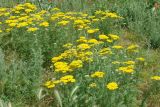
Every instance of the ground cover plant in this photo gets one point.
(61, 54)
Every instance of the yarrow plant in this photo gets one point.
(90, 67)
(95, 63)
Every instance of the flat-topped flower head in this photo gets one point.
(44, 24)
(83, 46)
(129, 62)
(103, 37)
(112, 86)
(91, 31)
(98, 74)
(76, 64)
(127, 69)
(32, 29)
(157, 78)
(62, 67)
(114, 37)
(67, 79)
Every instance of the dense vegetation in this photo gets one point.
(79, 53)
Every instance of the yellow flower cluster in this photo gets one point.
(28, 16)
(127, 69)
(108, 38)
(64, 80)
(129, 62)
(97, 74)
(103, 37)
(83, 46)
(62, 67)
(74, 57)
(76, 64)
(51, 84)
(105, 51)
(32, 29)
(91, 31)
(44, 24)
(117, 47)
(155, 77)
(112, 86)
(67, 79)
(132, 48)
(106, 14)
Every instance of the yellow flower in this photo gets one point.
(37, 17)
(30, 6)
(45, 24)
(127, 69)
(12, 24)
(91, 31)
(83, 46)
(93, 85)
(155, 78)
(109, 40)
(93, 41)
(19, 7)
(51, 84)
(97, 74)
(112, 86)
(103, 37)
(132, 47)
(23, 18)
(11, 21)
(67, 79)
(76, 64)
(69, 53)
(28, 10)
(105, 51)
(140, 59)
(7, 14)
(12, 17)
(114, 37)
(63, 22)
(0, 31)
(32, 29)
(55, 59)
(112, 15)
(85, 56)
(3, 9)
(22, 24)
(78, 22)
(129, 62)
(62, 67)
